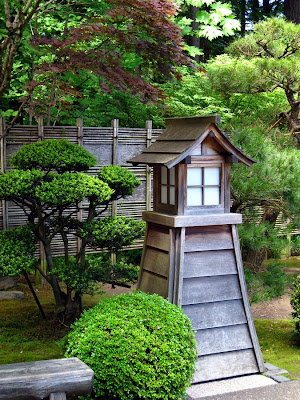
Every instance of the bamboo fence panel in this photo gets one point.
(109, 145)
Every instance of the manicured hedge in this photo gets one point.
(140, 346)
(295, 302)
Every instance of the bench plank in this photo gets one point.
(38, 379)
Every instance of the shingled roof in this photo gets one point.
(181, 137)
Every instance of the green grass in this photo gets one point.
(279, 344)
(292, 262)
(25, 336)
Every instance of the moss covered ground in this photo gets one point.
(279, 344)
(25, 336)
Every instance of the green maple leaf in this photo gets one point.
(230, 25)
(210, 32)
(222, 9)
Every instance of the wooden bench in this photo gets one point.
(53, 379)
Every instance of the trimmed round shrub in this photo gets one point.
(295, 303)
(139, 346)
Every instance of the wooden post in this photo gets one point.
(148, 169)
(3, 168)
(114, 161)
(40, 129)
(115, 126)
(79, 124)
(43, 264)
(251, 327)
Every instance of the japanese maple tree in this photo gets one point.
(128, 44)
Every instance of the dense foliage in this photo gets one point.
(56, 46)
(16, 251)
(58, 155)
(47, 183)
(265, 60)
(295, 303)
(270, 283)
(139, 346)
(63, 56)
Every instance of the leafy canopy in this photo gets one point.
(71, 188)
(121, 180)
(58, 155)
(112, 233)
(124, 43)
(266, 60)
(16, 251)
(214, 19)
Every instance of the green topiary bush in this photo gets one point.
(140, 346)
(295, 303)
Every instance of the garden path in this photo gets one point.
(273, 309)
(277, 308)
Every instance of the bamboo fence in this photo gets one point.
(110, 145)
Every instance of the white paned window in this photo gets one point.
(211, 196)
(194, 176)
(164, 194)
(203, 186)
(212, 176)
(194, 196)
(167, 186)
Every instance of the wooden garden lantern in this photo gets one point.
(191, 252)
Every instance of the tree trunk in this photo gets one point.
(194, 40)
(58, 295)
(291, 10)
(205, 46)
(293, 117)
(255, 10)
(243, 16)
(266, 8)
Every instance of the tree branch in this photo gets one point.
(43, 274)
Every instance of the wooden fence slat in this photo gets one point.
(79, 123)
(40, 129)
(148, 169)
